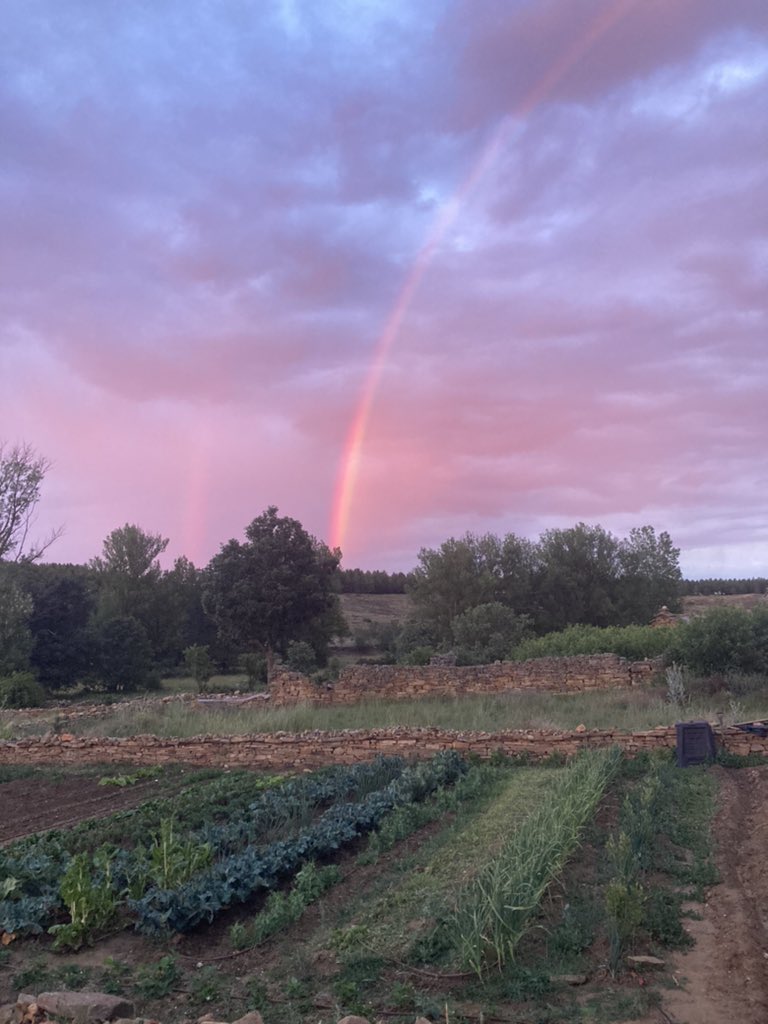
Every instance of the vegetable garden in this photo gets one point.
(388, 885)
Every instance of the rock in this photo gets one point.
(569, 979)
(24, 1000)
(580, 727)
(254, 1017)
(323, 1001)
(8, 1013)
(352, 1019)
(422, 1020)
(85, 1006)
(645, 961)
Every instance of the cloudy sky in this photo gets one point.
(403, 268)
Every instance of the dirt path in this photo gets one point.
(31, 805)
(724, 978)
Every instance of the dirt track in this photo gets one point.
(724, 978)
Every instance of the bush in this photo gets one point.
(197, 661)
(301, 657)
(487, 632)
(255, 667)
(631, 642)
(723, 640)
(21, 690)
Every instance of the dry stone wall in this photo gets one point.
(410, 682)
(307, 750)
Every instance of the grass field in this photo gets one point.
(625, 711)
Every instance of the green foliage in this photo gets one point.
(90, 899)
(723, 640)
(275, 587)
(125, 661)
(631, 642)
(578, 575)
(206, 985)
(300, 657)
(488, 632)
(21, 690)
(129, 780)
(492, 914)
(255, 667)
(284, 908)
(198, 663)
(156, 981)
(15, 635)
(173, 859)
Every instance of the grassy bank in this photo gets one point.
(624, 711)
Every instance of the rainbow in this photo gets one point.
(351, 457)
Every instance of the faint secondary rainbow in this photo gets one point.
(349, 464)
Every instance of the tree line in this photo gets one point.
(120, 619)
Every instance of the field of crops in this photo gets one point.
(385, 886)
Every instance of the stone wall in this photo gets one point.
(410, 682)
(298, 751)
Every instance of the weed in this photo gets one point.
(35, 976)
(114, 976)
(156, 981)
(205, 986)
(72, 977)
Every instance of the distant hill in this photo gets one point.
(697, 604)
(361, 610)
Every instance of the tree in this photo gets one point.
(277, 586)
(15, 635)
(63, 596)
(458, 575)
(129, 578)
(650, 575)
(21, 473)
(131, 553)
(126, 655)
(577, 577)
(487, 632)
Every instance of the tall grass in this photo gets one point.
(623, 711)
(493, 913)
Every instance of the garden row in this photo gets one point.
(221, 844)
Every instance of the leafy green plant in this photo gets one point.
(172, 860)
(129, 780)
(206, 985)
(156, 981)
(90, 899)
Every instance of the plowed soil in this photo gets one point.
(34, 805)
(724, 977)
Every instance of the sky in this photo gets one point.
(403, 269)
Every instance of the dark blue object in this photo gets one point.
(695, 743)
(757, 728)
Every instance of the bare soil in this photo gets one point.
(724, 977)
(30, 805)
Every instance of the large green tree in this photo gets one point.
(276, 586)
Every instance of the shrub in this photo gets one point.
(631, 642)
(255, 667)
(21, 690)
(301, 657)
(197, 662)
(723, 640)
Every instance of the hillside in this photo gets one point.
(360, 610)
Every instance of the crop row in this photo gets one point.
(239, 877)
(492, 914)
(32, 874)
